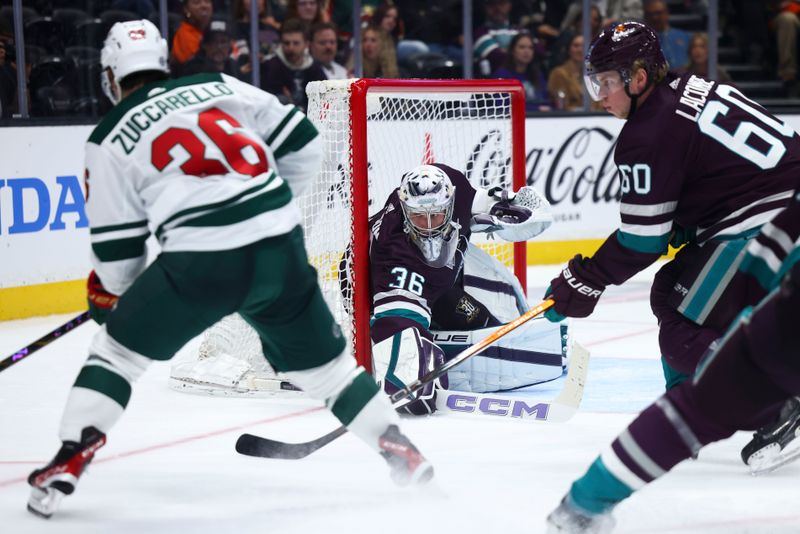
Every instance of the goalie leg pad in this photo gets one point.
(403, 358)
(530, 355)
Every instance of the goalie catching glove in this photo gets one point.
(403, 358)
(512, 216)
(101, 302)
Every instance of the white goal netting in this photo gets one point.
(468, 127)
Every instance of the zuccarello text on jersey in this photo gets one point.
(127, 134)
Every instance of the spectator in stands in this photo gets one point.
(437, 23)
(323, 50)
(268, 33)
(674, 42)
(618, 10)
(786, 24)
(492, 40)
(214, 54)
(565, 83)
(309, 11)
(8, 80)
(698, 59)
(379, 59)
(186, 42)
(288, 72)
(559, 50)
(387, 16)
(521, 65)
(555, 12)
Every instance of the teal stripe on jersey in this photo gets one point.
(279, 128)
(120, 249)
(141, 95)
(401, 312)
(215, 205)
(598, 491)
(252, 207)
(117, 227)
(354, 397)
(302, 134)
(704, 296)
(644, 244)
(106, 382)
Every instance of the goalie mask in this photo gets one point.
(427, 196)
(132, 46)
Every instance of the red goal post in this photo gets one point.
(481, 100)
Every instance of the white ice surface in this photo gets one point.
(169, 466)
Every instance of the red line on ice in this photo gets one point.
(9, 482)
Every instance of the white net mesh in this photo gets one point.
(467, 129)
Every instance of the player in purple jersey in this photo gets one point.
(738, 386)
(426, 277)
(702, 166)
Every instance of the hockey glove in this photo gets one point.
(574, 291)
(101, 302)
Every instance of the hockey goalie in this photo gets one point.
(434, 293)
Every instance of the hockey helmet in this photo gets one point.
(617, 48)
(427, 196)
(132, 46)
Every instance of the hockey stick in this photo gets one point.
(510, 406)
(44, 340)
(251, 445)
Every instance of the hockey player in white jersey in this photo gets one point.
(209, 165)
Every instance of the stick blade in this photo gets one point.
(250, 445)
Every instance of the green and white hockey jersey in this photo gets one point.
(204, 163)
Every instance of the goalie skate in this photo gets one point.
(58, 478)
(406, 462)
(775, 445)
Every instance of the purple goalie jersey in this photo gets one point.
(697, 161)
(403, 286)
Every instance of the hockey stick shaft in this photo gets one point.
(44, 340)
(263, 447)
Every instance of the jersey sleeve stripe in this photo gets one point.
(403, 309)
(647, 230)
(300, 136)
(118, 227)
(645, 245)
(647, 210)
(747, 218)
(780, 237)
(281, 125)
(399, 294)
(120, 249)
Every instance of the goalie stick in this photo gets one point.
(44, 340)
(251, 445)
(511, 406)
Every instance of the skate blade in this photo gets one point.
(775, 459)
(43, 502)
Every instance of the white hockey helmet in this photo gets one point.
(427, 196)
(132, 46)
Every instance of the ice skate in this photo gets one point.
(569, 519)
(407, 464)
(58, 478)
(774, 445)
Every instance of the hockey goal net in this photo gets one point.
(373, 130)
